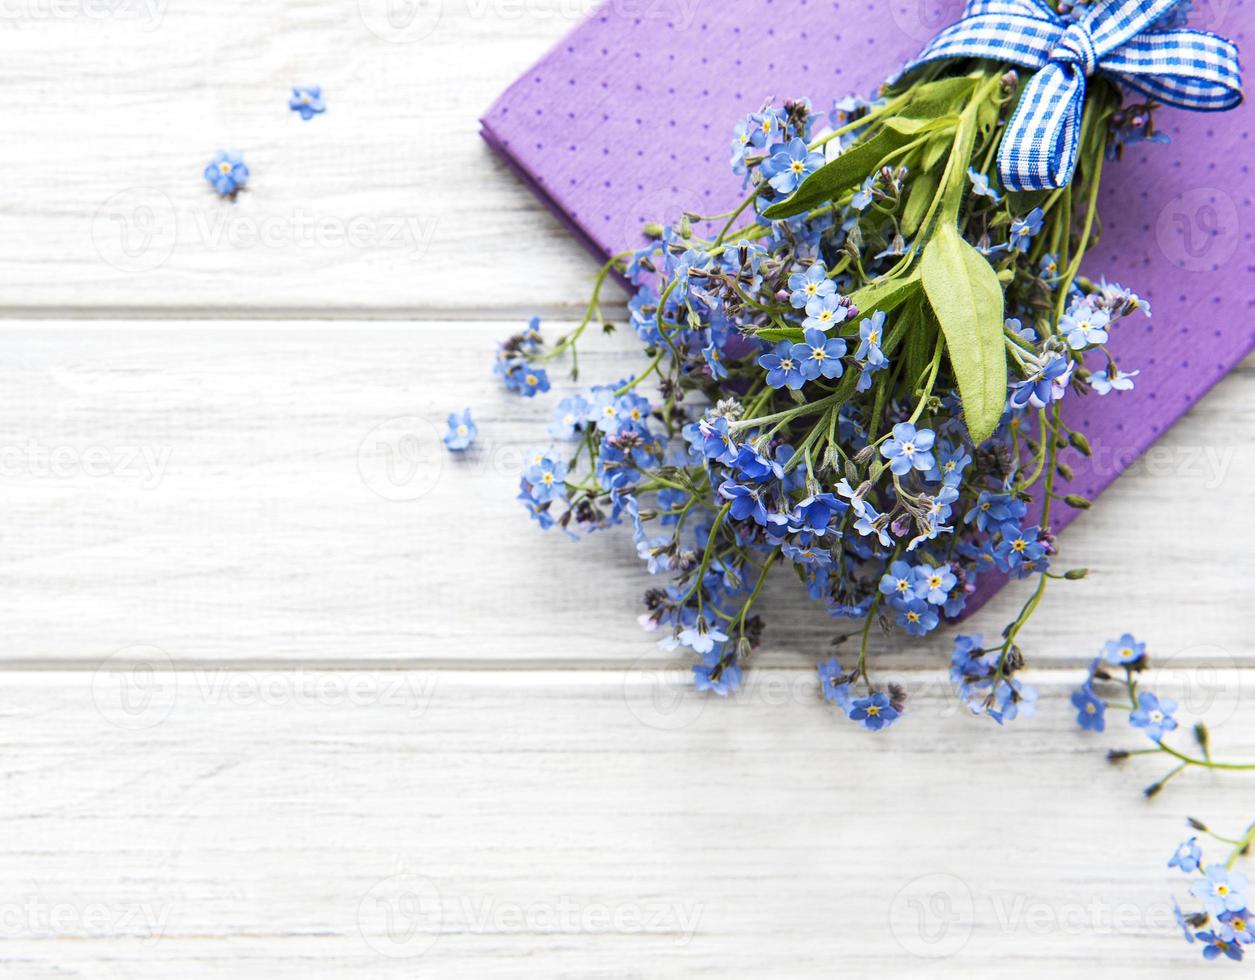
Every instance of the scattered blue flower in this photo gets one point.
(307, 100)
(746, 502)
(809, 285)
(909, 448)
(1214, 945)
(723, 679)
(793, 164)
(918, 617)
(227, 172)
(783, 369)
(875, 711)
(1105, 383)
(1221, 890)
(820, 356)
(1236, 927)
(1154, 715)
(899, 584)
(1023, 230)
(980, 185)
(1084, 326)
(569, 418)
(1187, 856)
(934, 584)
(1089, 708)
(834, 684)
(1123, 651)
(824, 312)
(462, 431)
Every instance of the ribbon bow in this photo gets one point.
(1179, 67)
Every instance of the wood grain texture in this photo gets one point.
(225, 536)
(243, 491)
(390, 204)
(280, 823)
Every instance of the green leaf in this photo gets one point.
(885, 295)
(833, 179)
(917, 351)
(934, 150)
(940, 97)
(773, 335)
(908, 126)
(923, 190)
(965, 295)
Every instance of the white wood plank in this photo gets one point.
(261, 830)
(266, 537)
(388, 204)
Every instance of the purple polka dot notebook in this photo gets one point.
(629, 120)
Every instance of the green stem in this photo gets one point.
(1242, 846)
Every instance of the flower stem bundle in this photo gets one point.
(859, 375)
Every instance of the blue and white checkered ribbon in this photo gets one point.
(1185, 68)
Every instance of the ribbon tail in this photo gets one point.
(1040, 145)
(1187, 69)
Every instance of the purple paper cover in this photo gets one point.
(629, 119)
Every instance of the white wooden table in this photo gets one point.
(365, 721)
